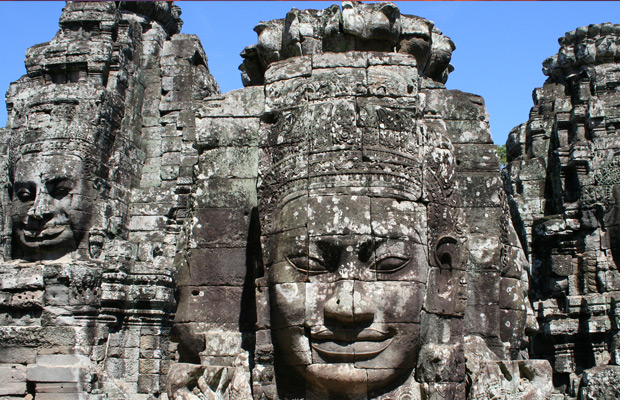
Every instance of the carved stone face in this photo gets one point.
(347, 291)
(49, 205)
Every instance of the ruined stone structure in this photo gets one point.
(336, 229)
(99, 154)
(562, 177)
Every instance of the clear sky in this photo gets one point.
(500, 46)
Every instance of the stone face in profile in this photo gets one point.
(50, 209)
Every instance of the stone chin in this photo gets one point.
(347, 381)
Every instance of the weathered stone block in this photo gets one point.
(213, 132)
(228, 162)
(480, 189)
(355, 59)
(483, 320)
(226, 193)
(247, 102)
(221, 227)
(394, 81)
(217, 266)
(211, 304)
(13, 378)
(483, 288)
(300, 66)
(511, 294)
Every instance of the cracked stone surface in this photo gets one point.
(338, 228)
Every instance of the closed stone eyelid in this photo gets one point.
(307, 270)
(406, 260)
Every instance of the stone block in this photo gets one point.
(147, 223)
(228, 162)
(13, 378)
(511, 326)
(221, 227)
(325, 215)
(512, 294)
(217, 266)
(48, 373)
(59, 396)
(247, 102)
(22, 278)
(226, 193)
(57, 388)
(483, 321)
(485, 251)
(290, 68)
(332, 60)
(149, 383)
(483, 288)
(480, 189)
(227, 131)
(210, 304)
(18, 355)
(469, 132)
(392, 81)
(457, 105)
(476, 157)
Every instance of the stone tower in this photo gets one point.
(98, 150)
(350, 236)
(562, 178)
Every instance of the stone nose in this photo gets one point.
(348, 306)
(42, 207)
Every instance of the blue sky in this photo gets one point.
(500, 46)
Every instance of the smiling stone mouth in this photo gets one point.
(44, 233)
(344, 346)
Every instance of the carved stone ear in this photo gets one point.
(446, 293)
(447, 253)
(96, 240)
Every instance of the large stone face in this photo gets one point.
(367, 201)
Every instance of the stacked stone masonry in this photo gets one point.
(339, 228)
(561, 180)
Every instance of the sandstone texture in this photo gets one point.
(337, 229)
(562, 178)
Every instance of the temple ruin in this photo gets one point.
(340, 228)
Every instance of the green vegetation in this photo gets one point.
(501, 152)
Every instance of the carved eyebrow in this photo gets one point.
(58, 179)
(23, 183)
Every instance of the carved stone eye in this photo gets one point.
(390, 264)
(306, 264)
(59, 188)
(24, 194)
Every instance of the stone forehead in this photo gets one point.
(342, 146)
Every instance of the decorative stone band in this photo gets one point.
(602, 192)
(73, 147)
